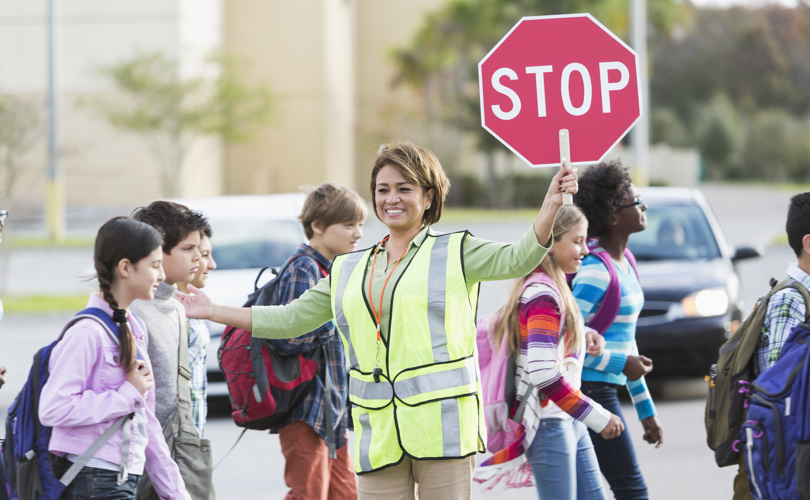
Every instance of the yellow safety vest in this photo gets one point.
(427, 403)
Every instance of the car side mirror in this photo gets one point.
(743, 253)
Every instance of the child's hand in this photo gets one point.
(594, 342)
(653, 432)
(636, 367)
(614, 428)
(197, 304)
(141, 378)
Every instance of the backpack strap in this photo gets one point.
(796, 285)
(611, 302)
(184, 381)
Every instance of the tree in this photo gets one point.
(19, 130)
(441, 61)
(173, 111)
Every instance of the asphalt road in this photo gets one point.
(682, 468)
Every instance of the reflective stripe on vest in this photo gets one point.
(426, 403)
(340, 317)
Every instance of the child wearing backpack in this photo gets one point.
(168, 344)
(614, 211)
(541, 323)
(199, 337)
(333, 218)
(786, 309)
(94, 380)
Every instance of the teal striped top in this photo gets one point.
(589, 285)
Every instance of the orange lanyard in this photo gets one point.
(371, 277)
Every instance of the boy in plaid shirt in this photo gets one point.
(332, 217)
(199, 337)
(786, 308)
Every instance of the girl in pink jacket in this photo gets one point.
(94, 380)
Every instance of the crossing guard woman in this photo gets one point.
(405, 309)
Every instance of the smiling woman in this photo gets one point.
(405, 311)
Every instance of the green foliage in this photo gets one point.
(777, 148)
(738, 79)
(171, 110)
(512, 191)
(719, 135)
(20, 126)
(667, 127)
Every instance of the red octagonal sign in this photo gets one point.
(559, 72)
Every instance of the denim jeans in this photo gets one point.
(617, 458)
(563, 461)
(100, 484)
(3, 491)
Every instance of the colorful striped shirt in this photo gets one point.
(785, 310)
(544, 363)
(589, 287)
(198, 340)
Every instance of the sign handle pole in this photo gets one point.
(565, 157)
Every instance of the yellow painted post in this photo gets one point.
(55, 209)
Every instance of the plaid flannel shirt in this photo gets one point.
(301, 275)
(198, 339)
(785, 310)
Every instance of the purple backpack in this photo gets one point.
(609, 308)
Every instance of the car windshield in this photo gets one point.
(241, 244)
(675, 232)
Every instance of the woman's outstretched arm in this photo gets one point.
(306, 313)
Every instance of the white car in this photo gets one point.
(248, 233)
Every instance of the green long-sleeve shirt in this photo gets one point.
(484, 260)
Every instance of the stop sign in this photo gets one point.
(559, 72)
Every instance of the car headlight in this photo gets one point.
(709, 302)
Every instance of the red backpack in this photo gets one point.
(263, 386)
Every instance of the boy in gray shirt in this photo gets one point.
(163, 315)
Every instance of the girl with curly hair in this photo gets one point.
(614, 211)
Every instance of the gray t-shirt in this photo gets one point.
(163, 316)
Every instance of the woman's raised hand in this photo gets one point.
(564, 181)
(197, 304)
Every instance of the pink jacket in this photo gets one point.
(87, 392)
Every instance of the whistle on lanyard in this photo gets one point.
(377, 372)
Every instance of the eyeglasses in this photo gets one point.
(637, 202)
(3, 215)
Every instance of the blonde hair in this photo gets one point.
(418, 166)
(331, 204)
(568, 218)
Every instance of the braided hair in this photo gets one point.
(118, 239)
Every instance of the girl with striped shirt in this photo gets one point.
(541, 321)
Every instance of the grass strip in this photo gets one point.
(31, 242)
(488, 215)
(45, 303)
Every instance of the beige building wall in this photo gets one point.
(328, 64)
(303, 51)
(103, 165)
(384, 112)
